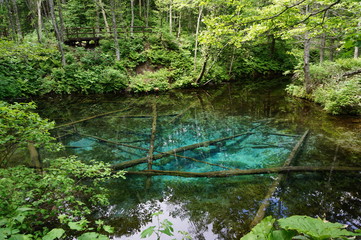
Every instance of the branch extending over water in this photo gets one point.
(236, 172)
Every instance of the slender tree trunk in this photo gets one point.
(197, 32)
(62, 26)
(12, 27)
(332, 49)
(57, 33)
(322, 47)
(147, 14)
(132, 19)
(306, 60)
(170, 16)
(140, 8)
(17, 20)
(232, 61)
(115, 32)
(40, 22)
(356, 51)
(179, 24)
(104, 16)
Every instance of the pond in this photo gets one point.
(250, 128)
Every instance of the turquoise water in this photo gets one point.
(214, 208)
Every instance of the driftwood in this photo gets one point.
(281, 134)
(152, 137)
(34, 156)
(180, 114)
(238, 172)
(265, 203)
(145, 116)
(351, 73)
(112, 142)
(89, 118)
(134, 162)
(145, 149)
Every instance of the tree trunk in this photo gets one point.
(57, 33)
(132, 19)
(104, 16)
(356, 51)
(332, 49)
(265, 203)
(237, 172)
(135, 162)
(34, 156)
(322, 47)
(179, 24)
(40, 22)
(152, 138)
(115, 32)
(170, 16)
(140, 8)
(306, 60)
(147, 14)
(17, 20)
(12, 27)
(62, 26)
(197, 32)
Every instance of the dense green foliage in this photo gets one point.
(298, 227)
(337, 93)
(32, 204)
(19, 127)
(190, 44)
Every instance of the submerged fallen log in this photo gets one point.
(134, 162)
(236, 172)
(89, 118)
(152, 137)
(265, 203)
(145, 149)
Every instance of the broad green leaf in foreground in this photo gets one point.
(261, 230)
(314, 227)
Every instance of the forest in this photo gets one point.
(167, 61)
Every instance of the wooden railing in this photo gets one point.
(84, 33)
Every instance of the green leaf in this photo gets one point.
(53, 234)
(24, 209)
(76, 226)
(168, 231)
(108, 229)
(20, 237)
(314, 227)
(147, 232)
(281, 235)
(261, 230)
(20, 218)
(93, 236)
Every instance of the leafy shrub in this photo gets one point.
(298, 227)
(19, 126)
(340, 98)
(58, 197)
(336, 94)
(22, 68)
(149, 81)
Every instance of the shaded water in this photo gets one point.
(214, 208)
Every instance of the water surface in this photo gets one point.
(214, 208)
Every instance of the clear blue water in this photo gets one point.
(214, 208)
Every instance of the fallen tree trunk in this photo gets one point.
(347, 74)
(236, 172)
(152, 137)
(89, 118)
(145, 149)
(134, 162)
(265, 203)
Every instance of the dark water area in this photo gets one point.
(214, 208)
